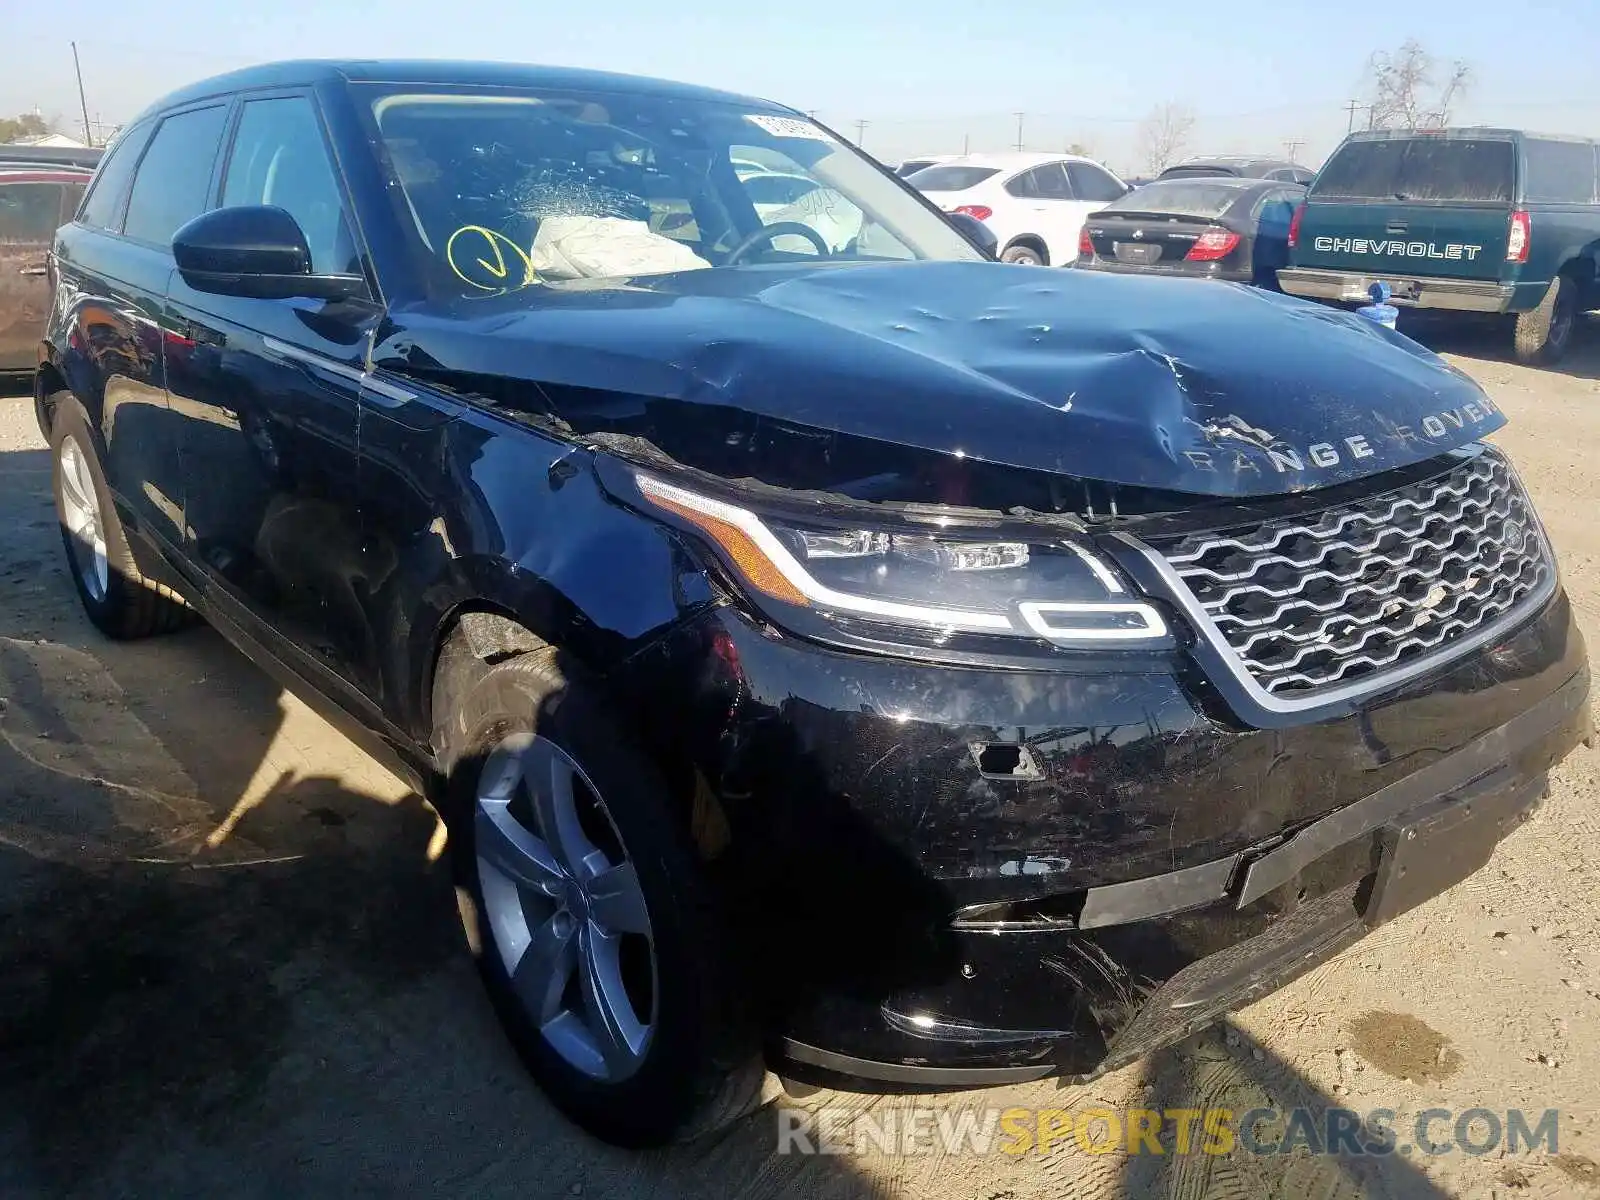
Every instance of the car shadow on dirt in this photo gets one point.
(1225, 1068)
(231, 958)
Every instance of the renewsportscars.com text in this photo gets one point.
(1218, 1131)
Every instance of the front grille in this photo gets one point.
(1363, 588)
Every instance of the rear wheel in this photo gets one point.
(596, 935)
(1023, 255)
(1543, 334)
(120, 601)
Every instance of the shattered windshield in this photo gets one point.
(507, 190)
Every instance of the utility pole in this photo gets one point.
(861, 132)
(966, 144)
(1293, 146)
(1350, 125)
(82, 103)
(1019, 117)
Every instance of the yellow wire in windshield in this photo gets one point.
(481, 260)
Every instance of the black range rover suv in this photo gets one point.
(830, 650)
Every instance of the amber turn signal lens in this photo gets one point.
(757, 569)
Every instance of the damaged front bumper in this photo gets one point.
(952, 878)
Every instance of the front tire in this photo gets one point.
(1025, 256)
(596, 934)
(120, 601)
(1544, 334)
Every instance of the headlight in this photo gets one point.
(1056, 590)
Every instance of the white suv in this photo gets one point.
(1035, 203)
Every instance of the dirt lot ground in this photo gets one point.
(229, 963)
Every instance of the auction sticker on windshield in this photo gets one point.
(791, 127)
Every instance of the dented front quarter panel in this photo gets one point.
(465, 512)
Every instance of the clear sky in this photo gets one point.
(927, 77)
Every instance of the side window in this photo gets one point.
(174, 181)
(110, 185)
(1025, 186)
(1559, 172)
(1052, 182)
(1089, 182)
(1304, 178)
(29, 212)
(789, 192)
(774, 189)
(279, 158)
(71, 197)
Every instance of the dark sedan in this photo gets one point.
(1231, 229)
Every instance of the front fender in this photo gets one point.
(491, 516)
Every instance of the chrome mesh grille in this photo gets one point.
(1362, 588)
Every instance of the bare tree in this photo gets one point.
(24, 125)
(1164, 134)
(1410, 89)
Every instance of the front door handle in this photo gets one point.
(32, 270)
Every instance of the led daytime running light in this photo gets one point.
(768, 566)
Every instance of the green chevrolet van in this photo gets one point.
(1466, 220)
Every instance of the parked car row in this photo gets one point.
(1037, 204)
(1494, 222)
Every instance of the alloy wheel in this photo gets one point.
(80, 511)
(564, 903)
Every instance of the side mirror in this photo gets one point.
(257, 251)
(976, 232)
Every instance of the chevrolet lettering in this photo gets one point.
(1401, 249)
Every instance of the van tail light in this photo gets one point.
(1213, 244)
(1085, 242)
(978, 212)
(1294, 224)
(1520, 234)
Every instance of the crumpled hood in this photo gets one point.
(1167, 383)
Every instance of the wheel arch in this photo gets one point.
(1032, 241)
(473, 636)
(1583, 267)
(48, 384)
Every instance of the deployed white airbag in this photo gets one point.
(595, 247)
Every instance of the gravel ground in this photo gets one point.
(233, 968)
